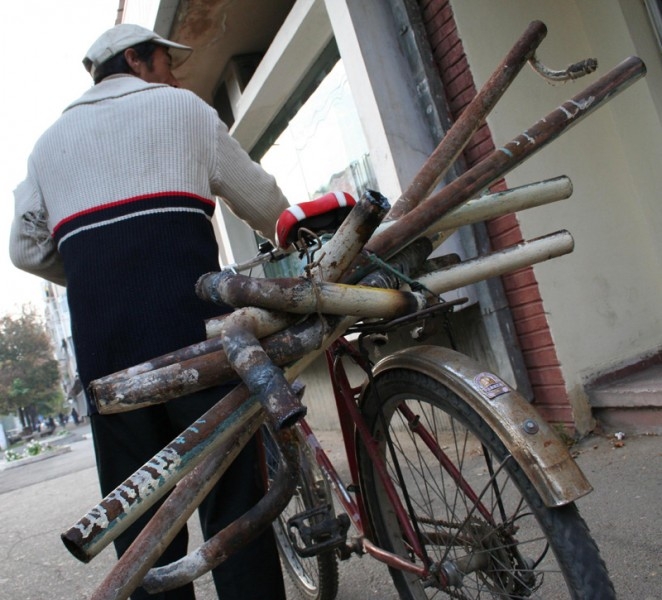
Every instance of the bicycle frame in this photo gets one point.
(272, 339)
(352, 426)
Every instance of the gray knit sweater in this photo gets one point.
(117, 206)
(123, 139)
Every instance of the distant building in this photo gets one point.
(58, 323)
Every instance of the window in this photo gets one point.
(654, 8)
(322, 148)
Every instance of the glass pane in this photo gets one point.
(323, 147)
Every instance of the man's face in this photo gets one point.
(160, 69)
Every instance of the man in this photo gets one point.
(117, 206)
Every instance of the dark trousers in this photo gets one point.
(124, 442)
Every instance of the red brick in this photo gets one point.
(444, 41)
(540, 357)
(479, 149)
(506, 239)
(533, 323)
(547, 376)
(526, 295)
(520, 279)
(502, 224)
(461, 99)
(452, 57)
(447, 12)
(433, 15)
(483, 134)
(526, 311)
(536, 340)
(498, 186)
(550, 394)
(557, 414)
(455, 71)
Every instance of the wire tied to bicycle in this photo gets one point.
(416, 286)
(313, 269)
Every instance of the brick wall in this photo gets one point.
(521, 287)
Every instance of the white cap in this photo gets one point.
(126, 35)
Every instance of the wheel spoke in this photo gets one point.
(480, 520)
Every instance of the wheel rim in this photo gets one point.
(484, 545)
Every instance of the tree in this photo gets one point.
(29, 375)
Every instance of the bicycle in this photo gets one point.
(457, 485)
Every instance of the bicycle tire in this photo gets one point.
(315, 577)
(513, 548)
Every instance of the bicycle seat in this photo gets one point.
(322, 215)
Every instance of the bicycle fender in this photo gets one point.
(531, 441)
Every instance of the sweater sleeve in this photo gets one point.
(249, 191)
(31, 246)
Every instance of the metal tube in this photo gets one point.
(351, 236)
(497, 164)
(498, 263)
(238, 331)
(304, 296)
(126, 390)
(487, 206)
(101, 525)
(173, 514)
(462, 130)
(509, 201)
(238, 533)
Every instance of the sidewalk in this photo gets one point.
(38, 501)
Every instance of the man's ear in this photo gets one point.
(131, 57)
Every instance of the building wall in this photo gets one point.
(600, 301)
(521, 289)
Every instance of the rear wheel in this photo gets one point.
(500, 541)
(315, 577)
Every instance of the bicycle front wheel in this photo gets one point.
(483, 527)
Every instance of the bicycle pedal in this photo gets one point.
(318, 530)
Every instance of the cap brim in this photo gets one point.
(178, 52)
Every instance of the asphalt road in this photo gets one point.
(40, 500)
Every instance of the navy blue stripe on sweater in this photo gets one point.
(125, 209)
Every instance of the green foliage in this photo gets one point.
(29, 375)
(31, 449)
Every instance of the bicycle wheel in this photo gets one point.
(315, 577)
(499, 541)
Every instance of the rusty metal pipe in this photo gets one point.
(171, 516)
(304, 296)
(352, 235)
(497, 164)
(494, 205)
(497, 263)
(241, 531)
(238, 331)
(262, 377)
(192, 371)
(472, 117)
(101, 525)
